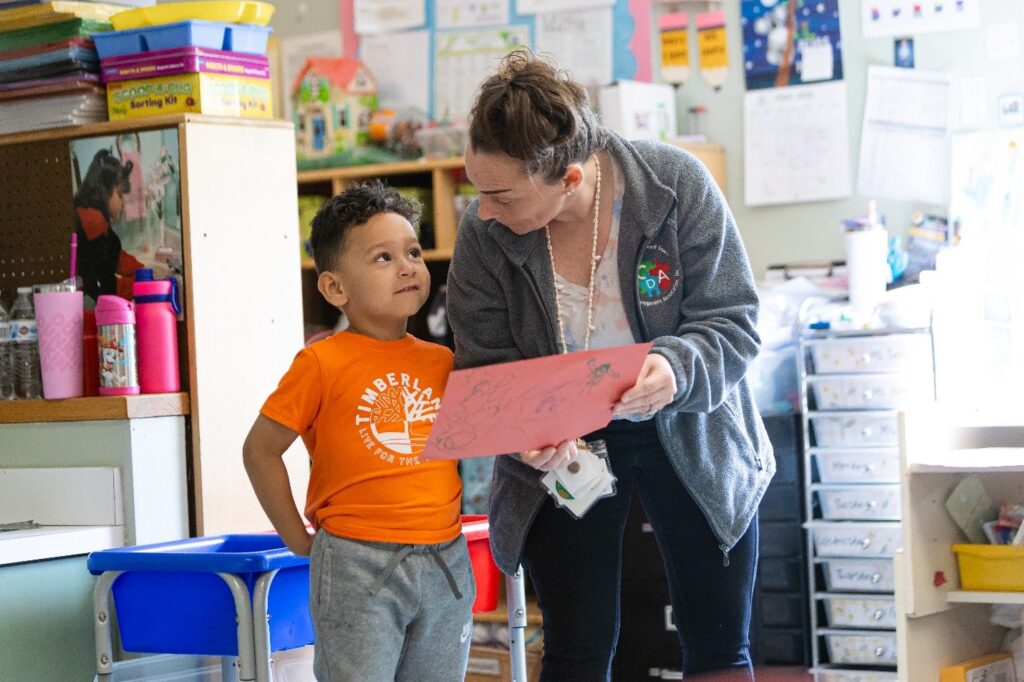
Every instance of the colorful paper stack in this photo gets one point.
(49, 70)
(166, 65)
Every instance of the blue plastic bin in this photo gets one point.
(213, 35)
(169, 599)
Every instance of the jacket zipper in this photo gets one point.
(636, 291)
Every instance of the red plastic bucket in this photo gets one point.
(485, 573)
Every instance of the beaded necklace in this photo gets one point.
(594, 258)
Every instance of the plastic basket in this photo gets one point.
(991, 568)
(212, 35)
(170, 600)
(485, 573)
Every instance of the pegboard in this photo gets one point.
(36, 214)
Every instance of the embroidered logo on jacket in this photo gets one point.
(655, 278)
(394, 417)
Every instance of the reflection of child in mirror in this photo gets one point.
(104, 266)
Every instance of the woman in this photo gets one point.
(580, 239)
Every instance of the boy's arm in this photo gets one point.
(264, 446)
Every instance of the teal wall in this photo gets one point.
(46, 621)
(797, 232)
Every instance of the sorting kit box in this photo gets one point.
(184, 60)
(205, 93)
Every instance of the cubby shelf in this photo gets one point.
(95, 408)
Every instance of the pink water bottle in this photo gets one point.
(156, 326)
(115, 326)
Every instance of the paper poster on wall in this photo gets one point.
(633, 52)
(294, 52)
(580, 42)
(712, 46)
(470, 13)
(904, 146)
(140, 230)
(541, 6)
(674, 47)
(381, 16)
(400, 64)
(987, 182)
(908, 17)
(462, 60)
(790, 42)
(796, 144)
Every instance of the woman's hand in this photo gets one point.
(653, 390)
(550, 457)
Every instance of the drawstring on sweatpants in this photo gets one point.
(399, 556)
(392, 564)
(447, 571)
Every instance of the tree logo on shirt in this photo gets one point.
(655, 278)
(394, 416)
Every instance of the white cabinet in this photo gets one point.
(852, 383)
(938, 624)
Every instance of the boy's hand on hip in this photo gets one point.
(301, 545)
(550, 457)
(653, 390)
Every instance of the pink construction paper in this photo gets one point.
(530, 404)
(640, 44)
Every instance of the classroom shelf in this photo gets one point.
(94, 408)
(969, 597)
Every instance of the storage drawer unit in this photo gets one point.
(852, 383)
(780, 622)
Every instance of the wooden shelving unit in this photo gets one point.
(95, 408)
(237, 180)
(940, 624)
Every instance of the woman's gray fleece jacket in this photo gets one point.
(698, 304)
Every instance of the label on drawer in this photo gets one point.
(867, 503)
(852, 575)
(850, 539)
(858, 466)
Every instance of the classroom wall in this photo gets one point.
(799, 232)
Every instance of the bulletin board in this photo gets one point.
(433, 54)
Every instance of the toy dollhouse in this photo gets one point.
(333, 99)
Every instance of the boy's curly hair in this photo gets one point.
(355, 206)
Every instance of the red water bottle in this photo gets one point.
(156, 328)
(90, 355)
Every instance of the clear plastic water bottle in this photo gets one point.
(6, 361)
(27, 381)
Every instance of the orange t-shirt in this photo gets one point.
(364, 409)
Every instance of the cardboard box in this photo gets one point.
(994, 667)
(489, 664)
(199, 93)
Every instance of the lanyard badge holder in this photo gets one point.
(576, 486)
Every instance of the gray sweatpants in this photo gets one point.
(385, 611)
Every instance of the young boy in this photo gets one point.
(391, 587)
